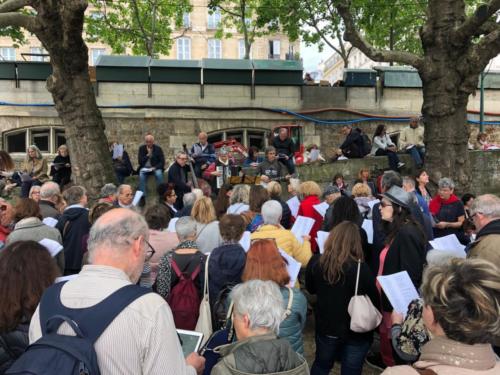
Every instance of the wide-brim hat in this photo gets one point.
(330, 189)
(398, 196)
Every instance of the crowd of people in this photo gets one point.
(125, 278)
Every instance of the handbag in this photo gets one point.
(204, 323)
(364, 316)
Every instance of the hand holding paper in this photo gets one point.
(293, 267)
(399, 289)
(302, 227)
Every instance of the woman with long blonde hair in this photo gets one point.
(207, 227)
(332, 277)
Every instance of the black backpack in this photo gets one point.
(367, 143)
(61, 354)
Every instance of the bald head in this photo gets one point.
(149, 140)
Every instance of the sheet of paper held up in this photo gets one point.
(399, 290)
(302, 227)
(321, 208)
(50, 221)
(314, 154)
(368, 227)
(52, 246)
(117, 151)
(320, 240)
(137, 197)
(294, 204)
(293, 267)
(449, 243)
(171, 225)
(245, 241)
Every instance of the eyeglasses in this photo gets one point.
(385, 204)
(150, 252)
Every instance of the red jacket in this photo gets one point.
(306, 209)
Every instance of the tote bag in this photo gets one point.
(204, 324)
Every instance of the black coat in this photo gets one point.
(332, 317)
(406, 253)
(12, 345)
(284, 147)
(59, 171)
(157, 157)
(74, 226)
(353, 145)
(180, 180)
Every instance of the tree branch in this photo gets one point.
(18, 19)
(487, 48)
(12, 5)
(479, 17)
(230, 12)
(353, 36)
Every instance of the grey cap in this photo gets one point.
(223, 151)
(330, 189)
(398, 196)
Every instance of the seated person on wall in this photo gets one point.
(353, 146)
(219, 172)
(411, 141)
(382, 145)
(482, 143)
(121, 161)
(34, 170)
(202, 153)
(271, 169)
(285, 149)
(61, 167)
(178, 176)
(151, 161)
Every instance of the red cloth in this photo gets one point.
(436, 203)
(4, 232)
(306, 209)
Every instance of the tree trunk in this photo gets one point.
(59, 28)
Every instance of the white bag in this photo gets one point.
(204, 323)
(364, 316)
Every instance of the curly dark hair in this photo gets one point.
(26, 270)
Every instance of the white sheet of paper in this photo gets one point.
(146, 170)
(50, 221)
(368, 227)
(137, 197)
(117, 151)
(171, 224)
(342, 158)
(449, 243)
(245, 241)
(322, 236)
(302, 227)
(52, 246)
(65, 278)
(294, 204)
(399, 290)
(373, 203)
(293, 267)
(314, 154)
(321, 208)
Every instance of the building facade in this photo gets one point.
(195, 40)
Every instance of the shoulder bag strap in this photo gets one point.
(357, 278)
(202, 229)
(288, 310)
(205, 285)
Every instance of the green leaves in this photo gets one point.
(143, 26)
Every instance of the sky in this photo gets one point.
(312, 57)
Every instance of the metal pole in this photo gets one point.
(481, 104)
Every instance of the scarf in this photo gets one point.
(436, 203)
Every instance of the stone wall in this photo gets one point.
(485, 167)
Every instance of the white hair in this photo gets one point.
(261, 301)
(185, 227)
(198, 193)
(188, 199)
(446, 182)
(488, 205)
(49, 189)
(271, 212)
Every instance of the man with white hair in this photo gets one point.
(151, 161)
(485, 213)
(141, 339)
(124, 196)
(203, 153)
(49, 195)
(271, 214)
(188, 201)
(257, 314)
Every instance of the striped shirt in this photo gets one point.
(140, 340)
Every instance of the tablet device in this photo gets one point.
(190, 341)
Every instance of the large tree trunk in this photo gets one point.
(60, 29)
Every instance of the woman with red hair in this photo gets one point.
(264, 262)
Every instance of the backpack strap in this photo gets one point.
(196, 272)
(176, 268)
(90, 321)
